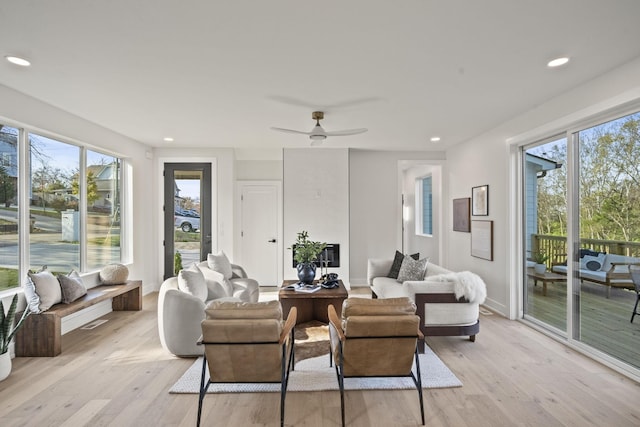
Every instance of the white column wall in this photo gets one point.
(316, 199)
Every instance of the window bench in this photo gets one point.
(41, 334)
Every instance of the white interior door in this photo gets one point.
(261, 248)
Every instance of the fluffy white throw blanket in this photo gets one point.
(465, 284)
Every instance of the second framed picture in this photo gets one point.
(480, 200)
(461, 220)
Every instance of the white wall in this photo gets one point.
(375, 205)
(259, 170)
(316, 199)
(487, 159)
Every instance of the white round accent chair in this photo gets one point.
(183, 299)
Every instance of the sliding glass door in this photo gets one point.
(581, 219)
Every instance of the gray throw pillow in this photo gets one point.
(397, 263)
(47, 288)
(72, 287)
(412, 269)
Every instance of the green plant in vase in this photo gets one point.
(540, 258)
(305, 252)
(7, 332)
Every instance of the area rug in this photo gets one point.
(315, 374)
(312, 340)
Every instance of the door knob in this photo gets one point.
(272, 241)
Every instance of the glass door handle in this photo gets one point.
(272, 241)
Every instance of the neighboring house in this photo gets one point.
(106, 178)
(536, 167)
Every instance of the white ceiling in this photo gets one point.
(221, 73)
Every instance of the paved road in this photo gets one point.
(47, 249)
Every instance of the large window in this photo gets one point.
(581, 220)
(72, 202)
(8, 207)
(55, 198)
(103, 209)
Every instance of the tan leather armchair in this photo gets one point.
(247, 343)
(375, 338)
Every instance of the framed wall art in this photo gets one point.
(461, 214)
(480, 200)
(482, 239)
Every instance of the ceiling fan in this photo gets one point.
(318, 134)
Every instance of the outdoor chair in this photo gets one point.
(375, 338)
(635, 277)
(247, 343)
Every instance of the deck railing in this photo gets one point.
(555, 247)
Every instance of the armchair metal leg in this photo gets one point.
(635, 308)
(203, 389)
(341, 385)
(418, 382)
(293, 346)
(283, 389)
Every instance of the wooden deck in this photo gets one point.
(604, 321)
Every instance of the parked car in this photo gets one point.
(187, 223)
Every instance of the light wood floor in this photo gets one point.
(118, 375)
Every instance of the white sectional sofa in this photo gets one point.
(441, 312)
(180, 313)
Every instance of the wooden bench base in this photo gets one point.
(41, 334)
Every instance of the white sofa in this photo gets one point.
(180, 313)
(441, 312)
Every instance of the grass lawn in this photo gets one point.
(8, 278)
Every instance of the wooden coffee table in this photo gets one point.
(545, 278)
(313, 306)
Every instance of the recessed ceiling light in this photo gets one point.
(168, 139)
(435, 139)
(557, 62)
(18, 61)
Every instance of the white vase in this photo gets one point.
(5, 365)
(540, 268)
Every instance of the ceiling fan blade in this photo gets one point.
(291, 131)
(346, 132)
